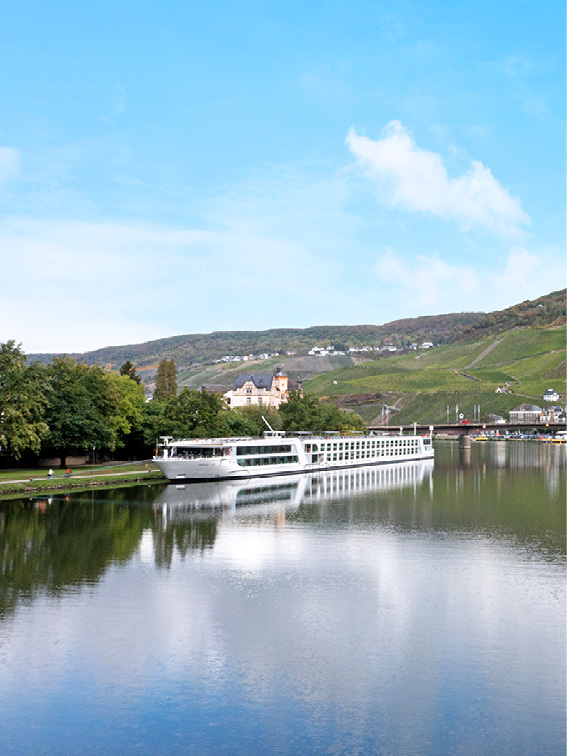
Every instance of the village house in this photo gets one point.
(553, 414)
(266, 390)
(550, 395)
(526, 413)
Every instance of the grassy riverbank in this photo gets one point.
(34, 481)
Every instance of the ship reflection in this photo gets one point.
(265, 495)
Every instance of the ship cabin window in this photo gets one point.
(256, 450)
(259, 461)
(191, 452)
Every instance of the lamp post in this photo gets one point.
(94, 449)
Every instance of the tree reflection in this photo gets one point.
(48, 546)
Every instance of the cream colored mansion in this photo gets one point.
(266, 390)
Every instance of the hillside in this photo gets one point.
(545, 311)
(205, 348)
(463, 374)
(476, 354)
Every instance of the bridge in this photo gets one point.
(464, 431)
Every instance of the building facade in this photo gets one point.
(526, 413)
(264, 390)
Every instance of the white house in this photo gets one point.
(550, 395)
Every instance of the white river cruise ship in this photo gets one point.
(201, 459)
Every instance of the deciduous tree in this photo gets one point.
(307, 413)
(80, 407)
(195, 413)
(128, 400)
(22, 401)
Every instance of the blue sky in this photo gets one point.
(183, 167)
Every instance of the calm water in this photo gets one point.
(401, 610)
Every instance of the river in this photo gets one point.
(405, 609)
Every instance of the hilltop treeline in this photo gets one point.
(202, 348)
(189, 349)
(547, 311)
(67, 406)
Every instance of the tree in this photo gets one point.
(128, 400)
(248, 420)
(307, 413)
(129, 370)
(80, 407)
(22, 401)
(195, 413)
(166, 381)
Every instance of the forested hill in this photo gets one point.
(192, 348)
(545, 311)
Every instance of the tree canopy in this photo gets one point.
(22, 401)
(166, 381)
(79, 407)
(129, 370)
(308, 413)
(68, 406)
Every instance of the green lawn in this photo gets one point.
(37, 480)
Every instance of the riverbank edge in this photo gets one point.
(68, 485)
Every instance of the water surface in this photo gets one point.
(405, 609)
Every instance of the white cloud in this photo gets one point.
(416, 180)
(82, 285)
(429, 285)
(9, 164)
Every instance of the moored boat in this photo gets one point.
(194, 459)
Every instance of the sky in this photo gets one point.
(185, 167)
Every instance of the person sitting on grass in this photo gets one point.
(50, 473)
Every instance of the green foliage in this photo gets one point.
(247, 421)
(22, 401)
(129, 370)
(166, 381)
(307, 413)
(153, 424)
(80, 407)
(128, 400)
(195, 414)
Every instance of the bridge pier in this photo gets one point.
(464, 441)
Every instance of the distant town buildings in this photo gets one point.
(246, 357)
